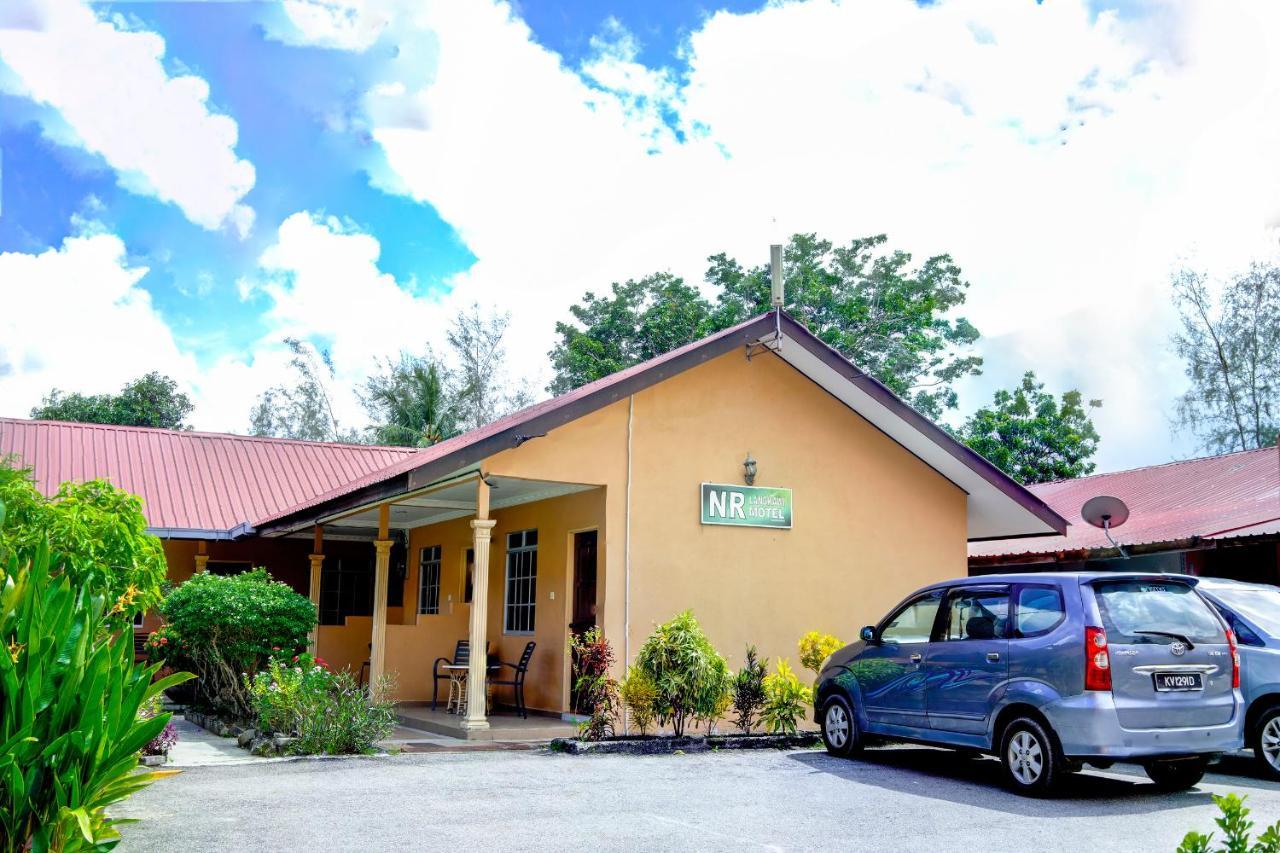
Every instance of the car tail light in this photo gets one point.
(1097, 660)
(1235, 658)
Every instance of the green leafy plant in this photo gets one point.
(1235, 827)
(786, 700)
(227, 627)
(815, 647)
(326, 713)
(686, 669)
(604, 711)
(70, 701)
(594, 692)
(591, 655)
(639, 694)
(718, 695)
(98, 533)
(748, 691)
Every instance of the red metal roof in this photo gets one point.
(190, 481)
(1236, 494)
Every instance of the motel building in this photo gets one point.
(755, 477)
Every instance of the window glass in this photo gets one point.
(429, 581)
(1039, 609)
(976, 614)
(1131, 610)
(913, 623)
(1259, 606)
(522, 582)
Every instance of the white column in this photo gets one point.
(477, 717)
(382, 571)
(317, 561)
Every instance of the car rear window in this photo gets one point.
(1134, 610)
(1259, 606)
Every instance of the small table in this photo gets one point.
(457, 673)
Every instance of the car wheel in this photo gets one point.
(1265, 740)
(1177, 774)
(840, 728)
(1030, 758)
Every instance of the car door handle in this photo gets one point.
(993, 657)
(916, 657)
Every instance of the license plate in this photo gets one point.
(1168, 681)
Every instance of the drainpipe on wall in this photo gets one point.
(626, 571)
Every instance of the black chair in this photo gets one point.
(516, 682)
(461, 657)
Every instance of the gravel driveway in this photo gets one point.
(903, 798)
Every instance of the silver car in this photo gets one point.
(1253, 612)
(1048, 672)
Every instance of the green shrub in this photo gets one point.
(70, 702)
(639, 694)
(226, 627)
(718, 694)
(327, 713)
(815, 647)
(97, 531)
(748, 691)
(787, 699)
(688, 672)
(591, 655)
(1235, 827)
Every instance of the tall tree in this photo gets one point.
(1231, 350)
(640, 319)
(484, 391)
(1033, 437)
(410, 402)
(303, 409)
(890, 317)
(152, 401)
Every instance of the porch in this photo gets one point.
(437, 582)
(504, 724)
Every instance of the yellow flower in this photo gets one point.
(15, 649)
(126, 598)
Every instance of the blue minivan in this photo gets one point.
(1046, 671)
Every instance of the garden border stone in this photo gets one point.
(666, 745)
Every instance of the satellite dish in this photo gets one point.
(1106, 512)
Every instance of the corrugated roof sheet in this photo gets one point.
(190, 480)
(1236, 494)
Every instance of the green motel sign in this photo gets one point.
(746, 506)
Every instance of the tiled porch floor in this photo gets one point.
(503, 725)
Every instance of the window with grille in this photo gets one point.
(429, 581)
(522, 582)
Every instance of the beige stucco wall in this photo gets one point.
(871, 521)
(413, 648)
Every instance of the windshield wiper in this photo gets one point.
(1181, 637)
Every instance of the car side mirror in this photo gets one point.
(868, 634)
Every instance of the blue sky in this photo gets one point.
(184, 184)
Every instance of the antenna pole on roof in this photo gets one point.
(778, 294)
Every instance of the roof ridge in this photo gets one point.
(209, 434)
(1169, 464)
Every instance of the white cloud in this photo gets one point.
(110, 87)
(75, 318)
(1066, 159)
(320, 281)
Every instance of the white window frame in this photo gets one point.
(429, 556)
(517, 551)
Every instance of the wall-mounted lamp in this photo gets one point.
(749, 470)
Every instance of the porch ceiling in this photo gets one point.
(457, 500)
